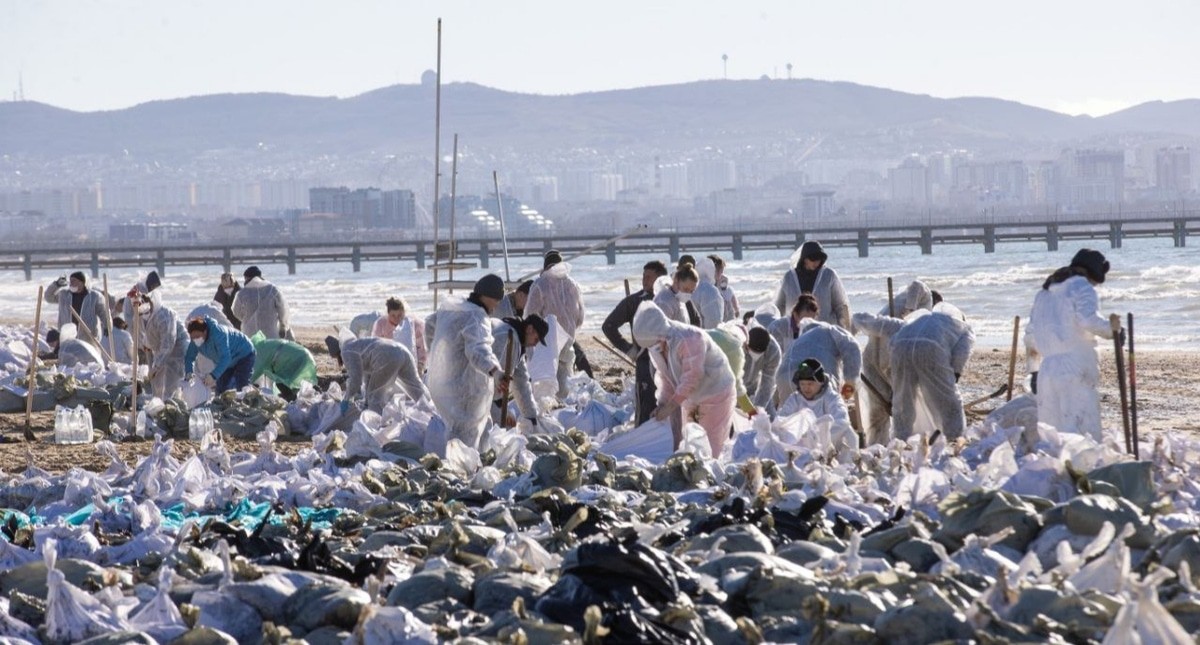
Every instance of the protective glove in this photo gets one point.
(1121, 337)
(1033, 382)
(847, 390)
(533, 421)
(61, 281)
(957, 376)
(746, 405)
(664, 411)
(344, 406)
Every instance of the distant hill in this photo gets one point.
(705, 112)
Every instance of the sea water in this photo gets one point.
(1159, 283)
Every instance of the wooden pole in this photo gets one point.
(891, 299)
(1114, 321)
(112, 347)
(508, 372)
(627, 291)
(137, 343)
(79, 324)
(1012, 358)
(31, 385)
(437, 157)
(1133, 420)
(616, 353)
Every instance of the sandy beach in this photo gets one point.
(1168, 393)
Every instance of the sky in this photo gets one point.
(1073, 56)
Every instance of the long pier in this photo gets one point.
(735, 241)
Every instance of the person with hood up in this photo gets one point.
(831, 345)
(287, 364)
(411, 329)
(513, 304)
(525, 333)
(928, 354)
(816, 391)
(810, 275)
(622, 315)
(877, 371)
(122, 341)
(707, 297)
(675, 300)
(694, 377)
(163, 334)
(761, 364)
(732, 311)
(555, 293)
(1061, 343)
(261, 307)
(374, 367)
(462, 365)
(229, 350)
(73, 295)
(224, 298)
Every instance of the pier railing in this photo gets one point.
(731, 238)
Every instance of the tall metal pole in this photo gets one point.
(453, 207)
(437, 156)
(503, 231)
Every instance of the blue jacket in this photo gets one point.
(224, 347)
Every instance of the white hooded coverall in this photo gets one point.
(833, 346)
(167, 339)
(261, 307)
(373, 367)
(707, 298)
(877, 356)
(1062, 330)
(520, 388)
(555, 292)
(693, 372)
(927, 352)
(461, 368)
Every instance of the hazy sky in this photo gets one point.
(1075, 56)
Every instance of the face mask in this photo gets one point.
(756, 354)
(144, 309)
(76, 289)
(683, 296)
(228, 291)
(197, 341)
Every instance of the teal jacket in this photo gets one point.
(224, 347)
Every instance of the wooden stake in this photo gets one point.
(508, 372)
(1133, 420)
(627, 291)
(1012, 358)
(1114, 321)
(31, 385)
(616, 353)
(137, 343)
(112, 347)
(891, 300)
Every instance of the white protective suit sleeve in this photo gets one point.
(555, 292)
(761, 374)
(261, 307)
(668, 302)
(522, 390)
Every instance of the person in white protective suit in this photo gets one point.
(731, 338)
(375, 367)
(122, 341)
(815, 390)
(513, 304)
(72, 295)
(462, 363)
(707, 297)
(1061, 343)
(833, 346)
(524, 334)
(695, 381)
(761, 365)
(810, 275)
(555, 293)
(166, 337)
(673, 299)
(732, 310)
(414, 339)
(213, 310)
(876, 370)
(928, 354)
(261, 307)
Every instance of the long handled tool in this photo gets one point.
(1114, 321)
(133, 387)
(1133, 420)
(1001, 390)
(31, 384)
(627, 291)
(891, 300)
(1012, 359)
(616, 353)
(84, 328)
(508, 372)
(112, 347)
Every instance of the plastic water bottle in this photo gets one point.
(85, 425)
(60, 424)
(196, 425)
(209, 426)
(140, 424)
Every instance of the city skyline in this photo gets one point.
(1072, 57)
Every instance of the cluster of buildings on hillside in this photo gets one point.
(779, 186)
